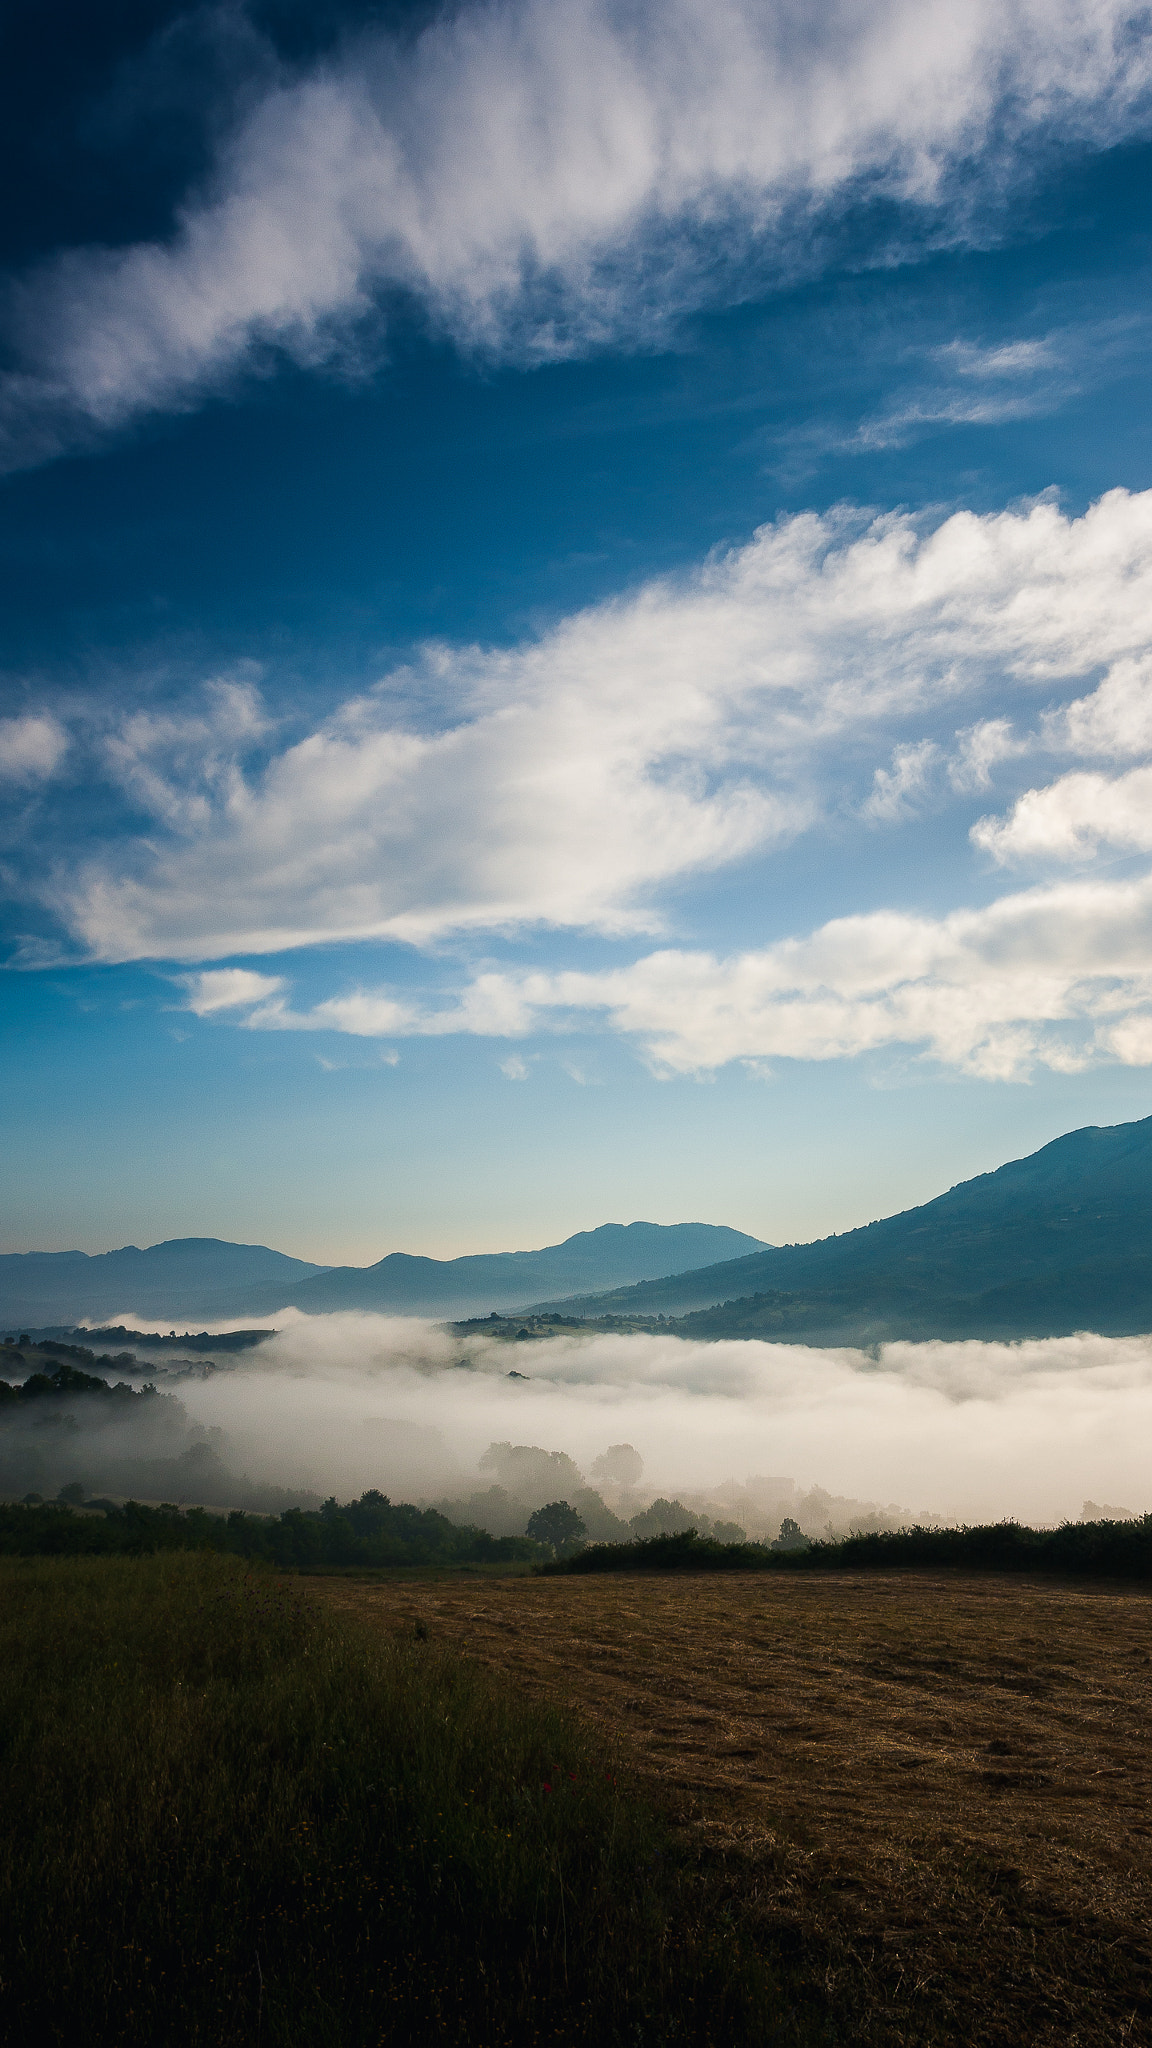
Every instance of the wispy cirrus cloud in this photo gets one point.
(545, 178)
(781, 687)
(972, 381)
(229, 988)
(897, 789)
(660, 735)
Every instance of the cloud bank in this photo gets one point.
(543, 179)
(1058, 977)
(968, 1431)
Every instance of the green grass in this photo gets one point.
(229, 1818)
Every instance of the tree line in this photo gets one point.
(370, 1531)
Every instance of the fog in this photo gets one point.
(744, 1430)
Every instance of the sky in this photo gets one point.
(577, 612)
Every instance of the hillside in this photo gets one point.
(1056, 1242)
(205, 1278)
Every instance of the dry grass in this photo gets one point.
(933, 1791)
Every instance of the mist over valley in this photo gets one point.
(930, 1367)
(725, 1436)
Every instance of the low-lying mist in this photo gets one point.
(742, 1432)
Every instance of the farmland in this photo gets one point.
(931, 1791)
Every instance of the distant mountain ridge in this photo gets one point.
(1056, 1242)
(206, 1278)
(616, 1253)
(202, 1277)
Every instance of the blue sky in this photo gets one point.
(577, 593)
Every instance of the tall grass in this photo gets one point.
(228, 1818)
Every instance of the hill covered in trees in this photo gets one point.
(1057, 1242)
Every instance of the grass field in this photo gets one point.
(933, 1792)
(633, 1811)
(229, 1815)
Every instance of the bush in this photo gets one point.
(1117, 1550)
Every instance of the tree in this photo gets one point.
(620, 1464)
(558, 1525)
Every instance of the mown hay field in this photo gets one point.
(931, 1791)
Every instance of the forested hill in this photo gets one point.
(1059, 1241)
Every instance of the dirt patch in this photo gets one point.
(935, 1788)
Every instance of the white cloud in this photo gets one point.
(544, 176)
(491, 1006)
(179, 765)
(654, 736)
(897, 790)
(1020, 358)
(228, 988)
(979, 749)
(975, 383)
(31, 747)
(364, 1014)
(1073, 818)
(966, 394)
(1058, 977)
(1130, 1041)
(514, 1068)
(1115, 720)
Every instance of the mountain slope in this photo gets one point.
(615, 1254)
(188, 1276)
(1059, 1241)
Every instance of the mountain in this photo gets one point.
(1057, 1242)
(614, 1255)
(204, 1278)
